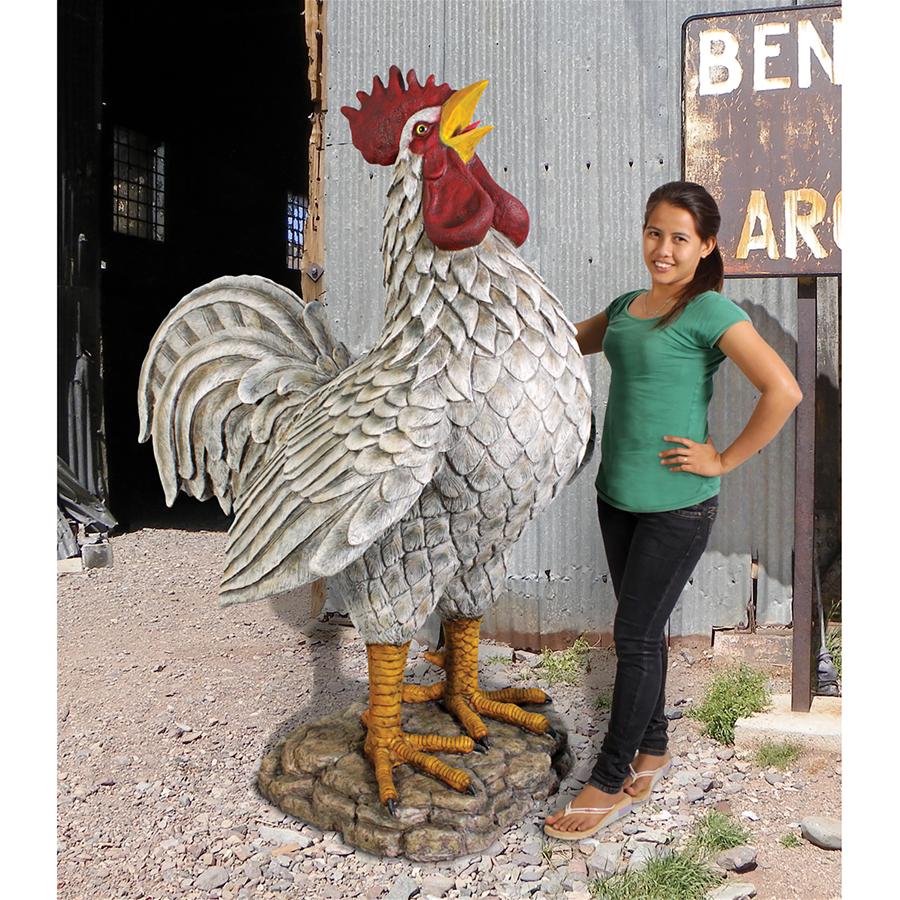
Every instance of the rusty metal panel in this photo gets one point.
(585, 103)
(762, 120)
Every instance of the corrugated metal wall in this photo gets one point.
(585, 99)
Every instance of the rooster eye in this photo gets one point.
(421, 128)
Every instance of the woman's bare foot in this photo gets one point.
(589, 797)
(644, 763)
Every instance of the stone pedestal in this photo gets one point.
(320, 774)
(818, 730)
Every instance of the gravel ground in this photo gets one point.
(167, 703)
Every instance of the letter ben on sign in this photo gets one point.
(762, 130)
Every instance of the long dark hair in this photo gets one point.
(711, 269)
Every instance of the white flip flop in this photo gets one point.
(610, 814)
(656, 775)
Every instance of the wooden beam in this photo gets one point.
(312, 261)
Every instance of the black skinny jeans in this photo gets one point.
(650, 556)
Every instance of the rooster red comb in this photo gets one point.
(376, 126)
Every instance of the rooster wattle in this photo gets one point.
(411, 471)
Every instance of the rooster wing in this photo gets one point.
(344, 470)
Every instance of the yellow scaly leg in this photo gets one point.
(387, 745)
(460, 691)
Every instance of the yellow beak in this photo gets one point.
(456, 117)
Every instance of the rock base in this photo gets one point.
(320, 774)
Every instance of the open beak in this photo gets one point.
(457, 128)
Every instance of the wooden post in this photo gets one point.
(312, 260)
(803, 662)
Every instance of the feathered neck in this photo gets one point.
(483, 295)
(403, 227)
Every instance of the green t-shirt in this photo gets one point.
(661, 383)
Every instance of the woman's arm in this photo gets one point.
(779, 396)
(590, 332)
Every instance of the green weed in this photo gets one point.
(715, 832)
(565, 666)
(834, 645)
(676, 876)
(735, 693)
(496, 661)
(682, 875)
(547, 852)
(777, 754)
(790, 840)
(603, 701)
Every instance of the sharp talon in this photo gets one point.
(483, 743)
(478, 748)
(470, 790)
(391, 805)
(547, 699)
(552, 732)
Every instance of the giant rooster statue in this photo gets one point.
(410, 471)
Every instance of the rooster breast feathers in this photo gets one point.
(247, 396)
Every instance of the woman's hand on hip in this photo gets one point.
(698, 459)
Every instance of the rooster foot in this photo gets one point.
(422, 693)
(500, 705)
(387, 748)
(387, 745)
(461, 695)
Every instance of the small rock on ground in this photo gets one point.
(436, 886)
(822, 831)
(283, 836)
(604, 861)
(212, 878)
(402, 888)
(738, 859)
(737, 890)
(643, 853)
(651, 836)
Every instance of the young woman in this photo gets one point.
(658, 480)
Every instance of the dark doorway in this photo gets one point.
(205, 132)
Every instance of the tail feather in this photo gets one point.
(228, 362)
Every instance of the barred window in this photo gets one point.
(139, 176)
(297, 212)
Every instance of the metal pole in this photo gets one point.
(803, 662)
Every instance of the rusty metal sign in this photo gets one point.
(762, 132)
